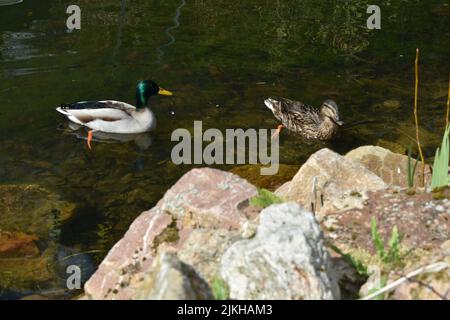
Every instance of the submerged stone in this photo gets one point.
(32, 209)
(17, 244)
(252, 174)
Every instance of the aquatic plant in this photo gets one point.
(448, 103)
(440, 177)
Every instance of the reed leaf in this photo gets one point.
(411, 168)
(440, 177)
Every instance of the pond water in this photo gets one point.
(221, 59)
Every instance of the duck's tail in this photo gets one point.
(270, 103)
(63, 109)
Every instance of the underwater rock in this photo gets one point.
(389, 166)
(328, 182)
(252, 174)
(44, 273)
(20, 274)
(441, 10)
(17, 244)
(387, 106)
(31, 218)
(392, 104)
(392, 146)
(32, 209)
(286, 259)
(203, 198)
(35, 297)
(172, 279)
(215, 71)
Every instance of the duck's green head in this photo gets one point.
(145, 89)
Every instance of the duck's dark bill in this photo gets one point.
(164, 92)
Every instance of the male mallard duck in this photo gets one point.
(115, 116)
(310, 122)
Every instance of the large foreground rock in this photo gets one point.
(328, 182)
(203, 199)
(287, 259)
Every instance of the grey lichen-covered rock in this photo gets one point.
(286, 259)
(172, 279)
(204, 248)
(329, 182)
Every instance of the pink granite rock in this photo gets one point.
(202, 198)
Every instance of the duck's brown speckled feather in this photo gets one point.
(303, 119)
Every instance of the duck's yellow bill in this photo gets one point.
(164, 92)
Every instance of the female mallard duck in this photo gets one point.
(115, 116)
(309, 122)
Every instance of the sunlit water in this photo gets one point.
(221, 59)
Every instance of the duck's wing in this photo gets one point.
(299, 114)
(87, 111)
(292, 106)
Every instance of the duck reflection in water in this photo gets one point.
(142, 140)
